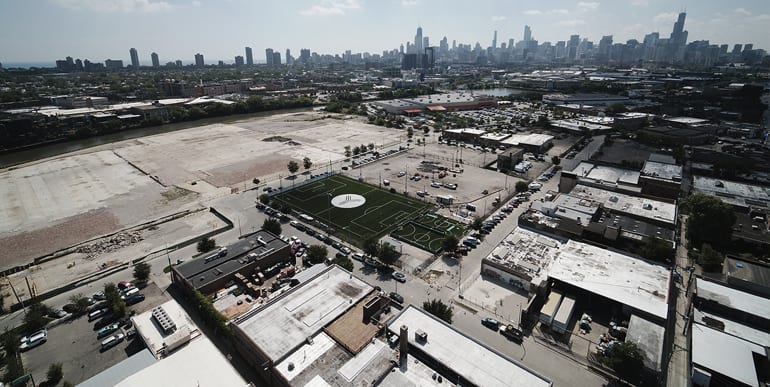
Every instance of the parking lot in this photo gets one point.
(74, 343)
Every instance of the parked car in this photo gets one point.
(33, 340)
(358, 257)
(57, 313)
(337, 245)
(345, 250)
(396, 297)
(310, 232)
(398, 276)
(107, 330)
(435, 184)
(122, 285)
(490, 323)
(97, 313)
(99, 296)
(112, 341)
(134, 299)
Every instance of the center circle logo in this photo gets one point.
(348, 201)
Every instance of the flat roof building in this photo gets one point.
(532, 142)
(750, 277)
(649, 337)
(586, 173)
(529, 259)
(184, 357)
(720, 359)
(732, 303)
(655, 211)
(737, 194)
(275, 330)
(212, 271)
(470, 362)
(584, 99)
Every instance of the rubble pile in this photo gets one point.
(110, 244)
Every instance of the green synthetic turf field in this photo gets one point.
(428, 231)
(382, 212)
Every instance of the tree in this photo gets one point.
(54, 374)
(710, 259)
(35, 318)
(344, 262)
(626, 360)
(449, 244)
(439, 309)
(370, 146)
(409, 132)
(521, 186)
(142, 272)
(372, 247)
(80, 302)
(709, 220)
(477, 223)
(272, 225)
(264, 199)
(657, 249)
(317, 253)
(113, 300)
(388, 254)
(306, 163)
(348, 153)
(555, 160)
(206, 244)
(293, 167)
(255, 181)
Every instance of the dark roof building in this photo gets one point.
(210, 272)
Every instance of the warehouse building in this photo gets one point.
(210, 272)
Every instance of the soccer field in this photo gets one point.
(381, 213)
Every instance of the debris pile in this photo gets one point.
(110, 244)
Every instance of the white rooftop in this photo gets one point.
(477, 132)
(649, 337)
(199, 363)
(149, 331)
(733, 192)
(662, 171)
(734, 328)
(477, 363)
(630, 281)
(725, 354)
(284, 324)
(733, 298)
(626, 204)
(526, 252)
(533, 139)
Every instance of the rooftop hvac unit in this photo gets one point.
(163, 319)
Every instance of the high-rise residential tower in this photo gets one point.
(249, 57)
(134, 58)
(155, 60)
(269, 56)
(199, 60)
(494, 40)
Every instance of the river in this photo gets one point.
(44, 151)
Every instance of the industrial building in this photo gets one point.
(742, 196)
(661, 176)
(584, 99)
(210, 272)
(460, 359)
(529, 260)
(176, 356)
(437, 103)
(314, 330)
(531, 142)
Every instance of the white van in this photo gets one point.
(112, 341)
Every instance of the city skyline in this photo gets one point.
(327, 26)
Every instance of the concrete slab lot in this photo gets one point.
(53, 204)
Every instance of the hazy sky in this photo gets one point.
(44, 30)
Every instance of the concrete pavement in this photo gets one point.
(679, 362)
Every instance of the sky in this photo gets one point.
(46, 30)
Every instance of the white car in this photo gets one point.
(435, 184)
(33, 340)
(401, 174)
